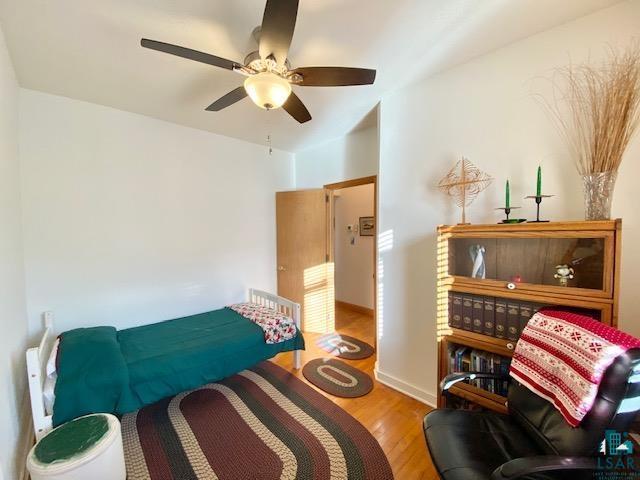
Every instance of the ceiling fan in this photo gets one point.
(268, 71)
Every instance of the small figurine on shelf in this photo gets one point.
(564, 273)
(477, 257)
(538, 197)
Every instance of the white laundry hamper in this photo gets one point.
(87, 448)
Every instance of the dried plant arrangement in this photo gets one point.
(597, 110)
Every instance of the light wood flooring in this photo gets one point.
(393, 418)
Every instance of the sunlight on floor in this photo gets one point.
(319, 299)
(394, 419)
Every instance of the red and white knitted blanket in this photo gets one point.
(276, 326)
(562, 357)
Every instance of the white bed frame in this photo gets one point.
(282, 305)
(37, 357)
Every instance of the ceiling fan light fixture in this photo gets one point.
(267, 90)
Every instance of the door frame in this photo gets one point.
(330, 188)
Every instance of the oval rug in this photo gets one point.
(337, 378)
(344, 346)
(263, 423)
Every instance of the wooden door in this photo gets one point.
(305, 268)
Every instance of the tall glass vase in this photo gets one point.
(598, 193)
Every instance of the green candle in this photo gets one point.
(507, 196)
(539, 183)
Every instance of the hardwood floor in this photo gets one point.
(393, 418)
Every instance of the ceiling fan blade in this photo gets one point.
(189, 54)
(335, 76)
(229, 99)
(296, 108)
(278, 24)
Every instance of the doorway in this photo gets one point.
(352, 244)
(306, 248)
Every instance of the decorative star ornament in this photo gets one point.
(464, 182)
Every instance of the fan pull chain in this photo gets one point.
(269, 144)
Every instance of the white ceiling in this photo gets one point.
(89, 50)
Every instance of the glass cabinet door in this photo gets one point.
(580, 264)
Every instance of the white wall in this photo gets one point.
(353, 156)
(484, 110)
(13, 320)
(353, 261)
(130, 220)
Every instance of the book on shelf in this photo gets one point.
(461, 360)
(455, 317)
(478, 314)
(526, 312)
(501, 318)
(489, 316)
(513, 320)
(467, 312)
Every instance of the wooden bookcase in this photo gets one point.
(520, 265)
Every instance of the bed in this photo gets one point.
(101, 369)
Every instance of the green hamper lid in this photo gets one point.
(71, 439)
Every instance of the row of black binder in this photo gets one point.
(497, 317)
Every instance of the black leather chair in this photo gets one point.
(533, 441)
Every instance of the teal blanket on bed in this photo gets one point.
(104, 370)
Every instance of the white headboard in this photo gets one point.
(282, 305)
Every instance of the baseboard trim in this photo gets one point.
(407, 388)
(355, 308)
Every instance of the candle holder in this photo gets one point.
(507, 212)
(538, 199)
